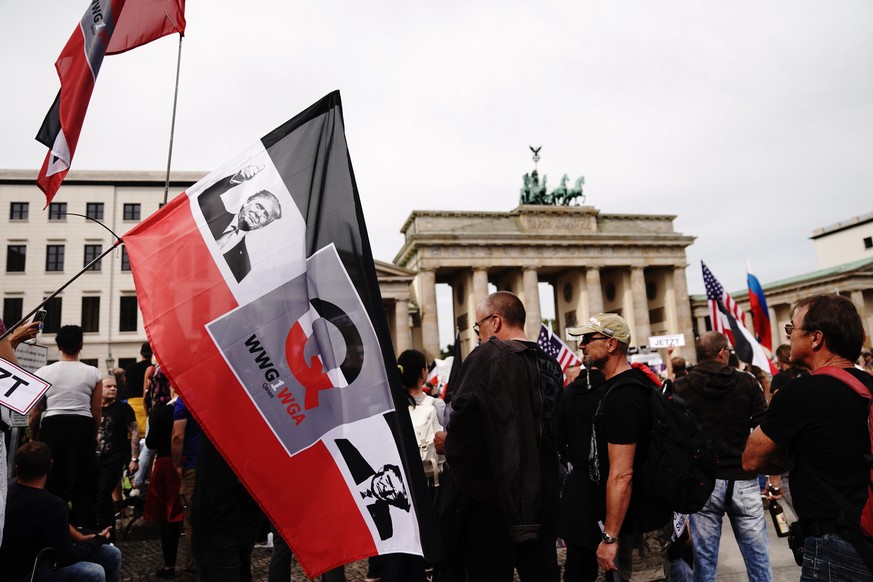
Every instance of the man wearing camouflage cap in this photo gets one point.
(636, 530)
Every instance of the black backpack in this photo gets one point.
(679, 469)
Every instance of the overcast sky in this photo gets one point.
(750, 121)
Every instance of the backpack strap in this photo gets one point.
(846, 378)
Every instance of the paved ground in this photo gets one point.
(141, 553)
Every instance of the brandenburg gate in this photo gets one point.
(629, 264)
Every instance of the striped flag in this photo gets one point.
(259, 296)
(555, 347)
(108, 27)
(760, 312)
(727, 317)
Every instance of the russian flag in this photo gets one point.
(760, 313)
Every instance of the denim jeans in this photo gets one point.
(104, 566)
(830, 557)
(746, 514)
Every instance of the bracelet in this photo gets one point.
(773, 488)
(134, 460)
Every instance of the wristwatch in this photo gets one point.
(608, 539)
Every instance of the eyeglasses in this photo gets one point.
(790, 328)
(480, 322)
(589, 337)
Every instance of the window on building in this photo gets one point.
(58, 211)
(52, 321)
(15, 258)
(19, 210)
(131, 211)
(125, 260)
(13, 309)
(127, 317)
(868, 242)
(90, 362)
(91, 253)
(124, 363)
(94, 210)
(90, 314)
(54, 258)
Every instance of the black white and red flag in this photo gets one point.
(259, 294)
(108, 27)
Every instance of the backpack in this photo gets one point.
(422, 416)
(865, 520)
(159, 387)
(680, 465)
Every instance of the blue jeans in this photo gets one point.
(104, 566)
(830, 557)
(746, 513)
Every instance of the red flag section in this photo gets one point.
(138, 22)
(259, 297)
(144, 21)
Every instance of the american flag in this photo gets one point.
(716, 294)
(552, 345)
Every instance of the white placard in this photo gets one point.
(665, 341)
(31, 357)
(19, 389)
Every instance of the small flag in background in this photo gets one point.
(555, 347)
(136, 22)
(760, 312)
(728, 318)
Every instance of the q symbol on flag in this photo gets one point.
(321, 371)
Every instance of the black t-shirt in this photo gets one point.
(160, 434)
(36, 519)
(626, 419)
(134, 376)
(823, 425)
(114, 435)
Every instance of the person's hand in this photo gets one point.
(133, 466)
(23, 333)
(439, 442)
(670, 350)
(249, 172)
(606, 554)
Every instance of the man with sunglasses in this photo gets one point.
(728, 404)
(816, 427)
(501, 507)
(636, 530)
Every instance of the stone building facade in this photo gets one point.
(633, 265)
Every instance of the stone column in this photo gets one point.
(430, 333)
(683, 312)
(402, 332)
(532, 303)
(642, 329)
(480, 286)
(595, 292)
(858, 300)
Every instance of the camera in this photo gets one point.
(795, 542)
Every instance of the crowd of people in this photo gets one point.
(518, 459)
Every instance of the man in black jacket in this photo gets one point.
(728, 404)
(36, 519)
(501, 509)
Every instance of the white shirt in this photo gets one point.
(72, 386)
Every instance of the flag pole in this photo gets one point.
(173, 122)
